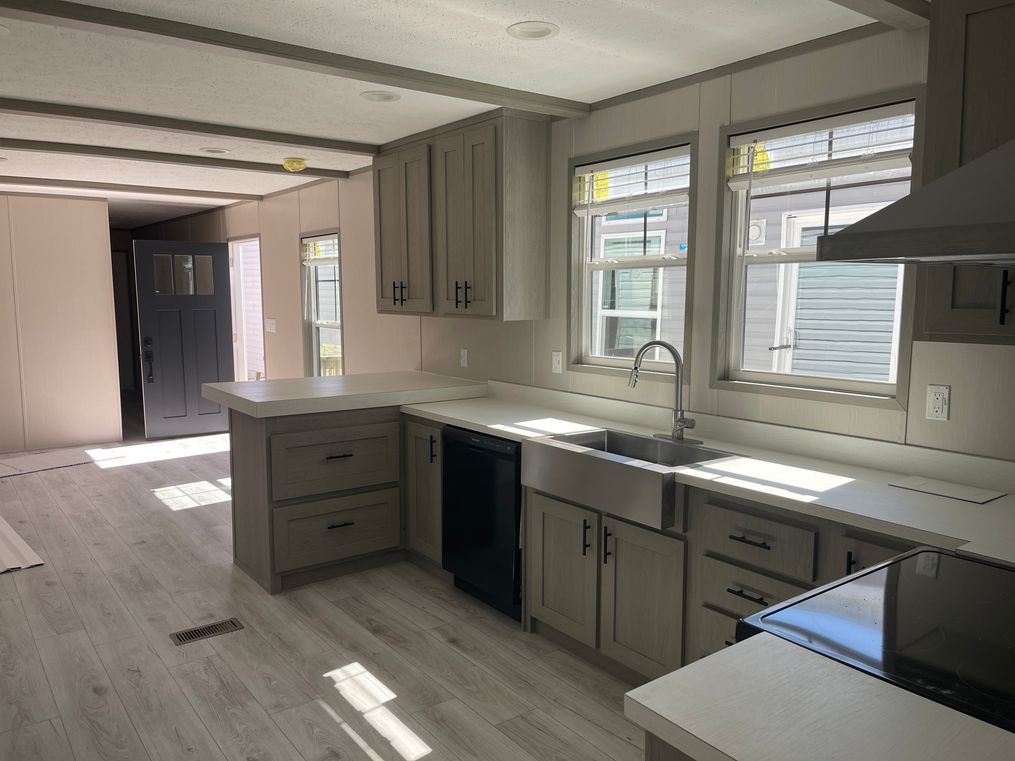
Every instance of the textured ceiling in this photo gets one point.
(605, 47)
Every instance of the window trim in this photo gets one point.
(311, 325)
(868, 394)
(576, 296)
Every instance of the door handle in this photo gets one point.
(394, 293)
(606, 544)
(760, 544)
(433, 454)
(149, 359)
(756, 599)
(401, 292)
(1005, 282)
(467, 287)
(586, 545)
(458, 300)
(343, 456)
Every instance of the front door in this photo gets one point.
(185, 332)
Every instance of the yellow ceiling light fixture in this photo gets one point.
(294, 164)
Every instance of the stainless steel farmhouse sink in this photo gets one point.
(621, 474)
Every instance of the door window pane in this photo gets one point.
(329, 351)
(183, 274)
(163, 269)
(205, 275)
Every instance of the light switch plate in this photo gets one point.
(938, 402)
(269, 325)
(463, 358)
(557, 362)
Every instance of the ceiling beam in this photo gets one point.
(73, 149)
(115, 187)
(90, 18)
(901, 14)
(178, 126)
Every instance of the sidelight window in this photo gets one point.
(323, 304)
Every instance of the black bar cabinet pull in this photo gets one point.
(757, 599)
(728, 643)
(1005, 282)
(467, 287)
(606, 544)
(332, 526)
(761, 545)
(585, 537)
(433, 453)
(401, 292)
(394, 293)
(850, 562)
(458, 299)
(342, 456)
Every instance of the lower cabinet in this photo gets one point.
(607, 584)
(423, 464)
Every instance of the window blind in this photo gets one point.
(650, 181)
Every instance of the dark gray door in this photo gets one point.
(185, 332)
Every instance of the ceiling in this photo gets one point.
(605, 48)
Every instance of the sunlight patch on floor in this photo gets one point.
(156, 451)
(186, 496)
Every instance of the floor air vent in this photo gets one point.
(208, 630)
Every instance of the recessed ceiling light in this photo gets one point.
(4, 31)
(216, 151)
(533, 30)
(380, 96)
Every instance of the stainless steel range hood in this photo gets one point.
(964, 217)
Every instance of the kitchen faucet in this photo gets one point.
(680, 422)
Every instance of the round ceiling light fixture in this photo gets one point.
(380, 96)
(216, 151)
(533, 30)
(294, 164)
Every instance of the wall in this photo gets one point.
(63, 347)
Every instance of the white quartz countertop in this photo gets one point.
(300, 396)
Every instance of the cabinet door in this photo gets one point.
(416, 286)
(387, 232)
(850, 554)
(563, 566)
(969, 300)
(423, 489)
(480, 263)
(449, 222)
(642, 596)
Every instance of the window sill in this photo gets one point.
(853, 398)
(647, 371)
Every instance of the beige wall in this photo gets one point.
(59, 254)
(12, 421)
(281, 288)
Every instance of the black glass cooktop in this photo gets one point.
(929, 621)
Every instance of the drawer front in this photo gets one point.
(334, 459)
(715, 630)
(726, 586)
(761, 542)
(334, 529)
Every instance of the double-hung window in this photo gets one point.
(631, 235)
(322, 293)
(795, 321)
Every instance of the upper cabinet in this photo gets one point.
(970, 110)
(402, 230)
(485, 221)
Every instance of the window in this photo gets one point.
(323, 301)
(793, 320)
(631, 235)
(248, 322)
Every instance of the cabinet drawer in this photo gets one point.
(726, 586)
(761, 542)
(333, 529)
(715, 630)
(334, 459)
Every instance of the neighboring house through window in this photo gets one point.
(795, 321)
(322, 293)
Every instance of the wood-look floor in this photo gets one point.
(386, 665)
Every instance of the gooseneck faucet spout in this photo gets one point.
(680, 421)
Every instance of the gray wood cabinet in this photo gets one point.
(402, 230)
(486, 212)
(423, 489)
(563, 566)
(970, 110)
(641, 620)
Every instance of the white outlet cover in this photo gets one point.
(463, 358)
(557, 362)
(269, 325)
(938, 402)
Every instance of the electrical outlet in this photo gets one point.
(269, 325)
(463, 358)
(557, 362)
(938, 402)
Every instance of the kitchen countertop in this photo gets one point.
(300, 396)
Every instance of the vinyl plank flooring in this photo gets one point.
(100, 609)
(261, 670)
(25, 697)
(44, 741)
(162, 559)
(16, 516)
(243, 731)
(58, 535)
(7, 589)
(157, 614)
(167, 723)
(96, 723)
(545, 739)
(489, 696)
(320, 734)
(467, 735)
(45, 602)
(586, 678)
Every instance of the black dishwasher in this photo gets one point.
(482, 510)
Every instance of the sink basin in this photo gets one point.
(618, 473)
(666, 452)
